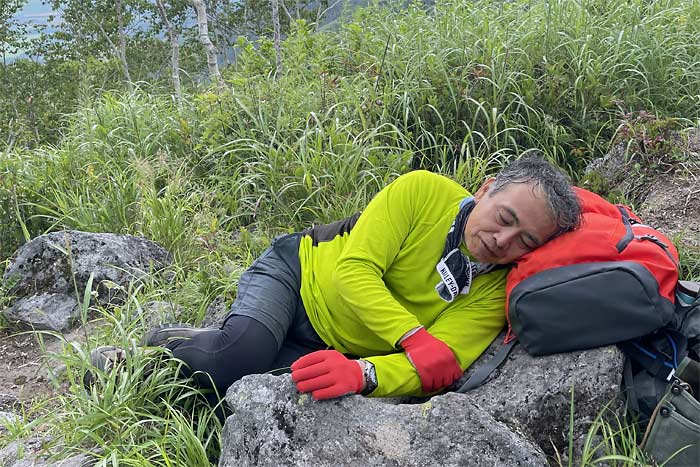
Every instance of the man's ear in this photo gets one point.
(481, 192)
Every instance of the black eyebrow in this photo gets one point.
(517, 222)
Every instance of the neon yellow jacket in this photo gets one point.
(366, 283)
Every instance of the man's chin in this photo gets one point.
(482, 254)
(489, 258)
(485, 257)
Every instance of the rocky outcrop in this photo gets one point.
(657, 169)
(216, 312)
(519, 414)
(32, 453)
(273, 425)
(45, 274)
(534, 394)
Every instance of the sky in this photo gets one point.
(33, 13)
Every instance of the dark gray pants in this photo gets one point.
(267, 328)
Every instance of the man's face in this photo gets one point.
(505, 225)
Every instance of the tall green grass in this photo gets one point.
(690, 263)
(460, 88)
(477, 79)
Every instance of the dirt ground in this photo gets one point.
(673, 206)
(21, 375)
(25, 366)
(667, 188)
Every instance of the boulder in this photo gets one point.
(273, 425)
(44, 274)
(52, 311)
(155, 313)
(529, 396)
(31, 453)
(533, 394)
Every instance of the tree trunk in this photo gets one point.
(174, 53)
(276, 38)
(246, 29)
(12, 135)
(118, 51)
(289, 15)
(323, 8)
(122, 42)
(203, 28)
(31, 114)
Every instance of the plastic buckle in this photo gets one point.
(672, 375)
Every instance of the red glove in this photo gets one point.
(433, 360)
(327, 374)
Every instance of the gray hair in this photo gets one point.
(553, 182)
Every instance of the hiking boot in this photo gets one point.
(105, 358)
(161, 335)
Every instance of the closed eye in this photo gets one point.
(528, 241)
(525, 244)
(503, 221)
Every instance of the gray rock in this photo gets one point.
(529, 395)
(29, 453)
(9, 455)
(216, 312)
(7, 418)
(44, 274)
(156, 313)
(53, 311)
(615, 166)
(533, 394)
(273, 425)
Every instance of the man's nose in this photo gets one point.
(504, 236)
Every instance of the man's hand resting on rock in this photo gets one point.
(327, 374)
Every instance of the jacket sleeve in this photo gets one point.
(468, 328)
(375, 241)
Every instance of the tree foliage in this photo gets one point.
(88, 47)
(12, 31)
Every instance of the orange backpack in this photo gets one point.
(610, 280)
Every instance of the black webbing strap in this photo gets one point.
(631, 401)
(482, 373)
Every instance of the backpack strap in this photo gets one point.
(689, 373)
(660, 356)
(630, 222)
(482, 373)
(631, 400)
